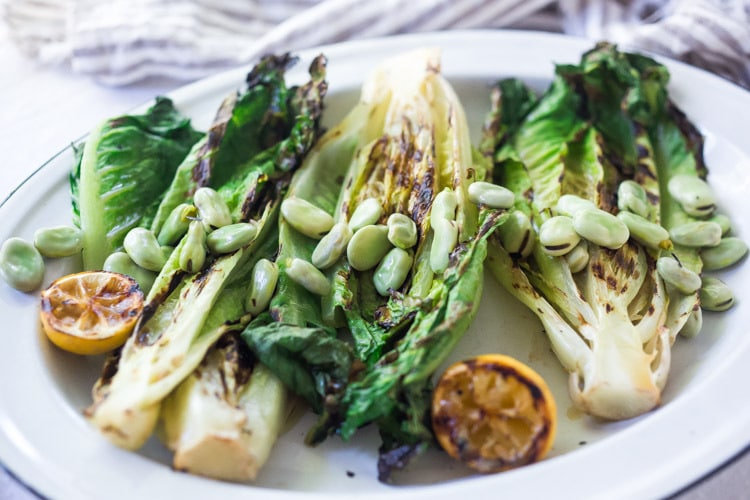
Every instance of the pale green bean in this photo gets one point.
(715, 295)
(176, 224)
(578, 258)
(306, 218)
(229, 238)
(570, 204)
(332, 246)
(263, 281)
(58, 241)
(445, 238)
(120, 262)
(723, 221)
(444, 205)
(490, 195)
(697, 234)
(367, 213)
(601, 228)
(392, 271)
(367, 247)
(21, 264)
(693, 324)
(517, 235)
(212, 208)
(693, 194)
(193, 252)
(402, 231)
(142, 246)
(632, 197)
(728, 252)
(677, 275)
(307, 275)
(645, 232)
(557, 235)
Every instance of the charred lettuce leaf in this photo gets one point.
(185, 314)
(404, 142)
(125, 166)
(603, 121)
(247, 124)
(312, 360)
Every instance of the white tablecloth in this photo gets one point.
(42, 110)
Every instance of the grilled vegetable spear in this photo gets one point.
(223, 419)
(186, 313)
(401, 148)
(606, 121)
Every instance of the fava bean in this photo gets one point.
(227, 239)
(570, 204)
(516, 234)
(305, 274)
(367, 213)
(142, 247)
(631, 197)
(723, 221)
(444, 229)
(677, 275)
(693, 194)
(21, 265)
(728, 252)
(578, 258)
(59, 241)
(557, 235)
(601, 228)
(444, 205)
(332, 246)
(306, 218)
(490, 195)
(645, 232)
(402, 231)
(212, 208)
(262, 286)
(697, 234)
(392, 271)
(176, 224)
(693, 324)
(120, 262)
(367, 247)
(193, 252)
(445, 238)
(715, 295)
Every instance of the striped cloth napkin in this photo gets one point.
(120, 42)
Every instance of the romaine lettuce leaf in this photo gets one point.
(126, 165)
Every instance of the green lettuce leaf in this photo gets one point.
(247, 124)
(126, 165)
(185, 314)
(612, 323)
(308, 359)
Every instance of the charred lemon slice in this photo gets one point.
(493, 413)
(91, 312)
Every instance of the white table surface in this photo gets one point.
(43, 109)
